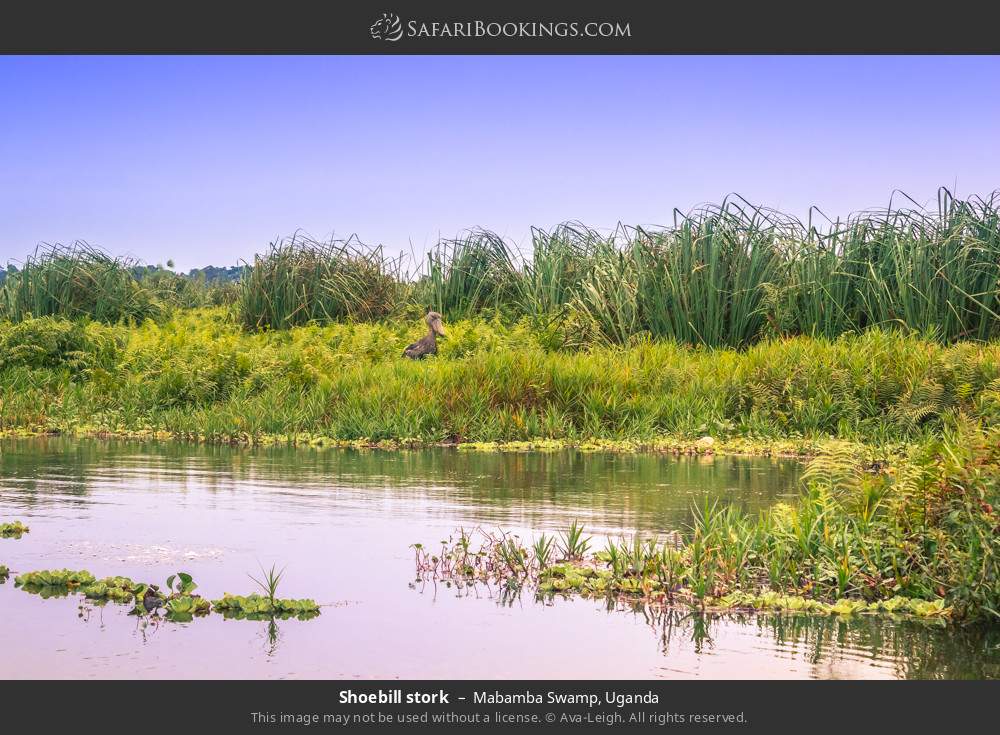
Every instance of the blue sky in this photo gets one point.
(206, 159)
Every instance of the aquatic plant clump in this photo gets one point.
(182, 608)
(14, 530)
(654, 583)
(179, 605)
(178, 602)
(261, 607)
(55, 578)
(792, 603)
(115, 589)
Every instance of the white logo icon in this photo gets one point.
(387, 28)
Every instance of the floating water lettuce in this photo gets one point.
(566, 577)
(179, 604)
(4, 573)
(13, 530)
(183, 608)
(55, 578)
(53, 582)
(844, 606)
(115, 589)
(581, 578)
(258, 607)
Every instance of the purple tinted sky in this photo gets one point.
(206, 159)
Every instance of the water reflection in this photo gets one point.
(610, 491)
(913, 649)
(341, 523)
(832, 647)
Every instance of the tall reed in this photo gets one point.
(469, 275)
(76, 281)
(301, 280)
(726, 275)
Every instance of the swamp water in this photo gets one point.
(342, 521)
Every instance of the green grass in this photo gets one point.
(198, 374)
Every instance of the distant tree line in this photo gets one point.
(208, 274)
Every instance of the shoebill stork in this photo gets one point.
(426, 345)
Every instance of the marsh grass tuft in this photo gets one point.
(77, 281)
(573, 543)
(469, 275)
(269, 581)
(301, 280)
(543, 548)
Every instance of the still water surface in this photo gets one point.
(341, 523)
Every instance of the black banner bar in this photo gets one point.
(511, 27)
(525, 706)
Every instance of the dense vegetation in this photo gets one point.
(81, 281)
(302, 281)
(200, 374)
(78, 281)
(723, 276)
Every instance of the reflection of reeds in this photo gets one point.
(912, 648)
(915, 649)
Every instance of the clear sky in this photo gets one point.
(206, 159)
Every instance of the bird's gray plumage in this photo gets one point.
(151, 600)
(426, 345)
